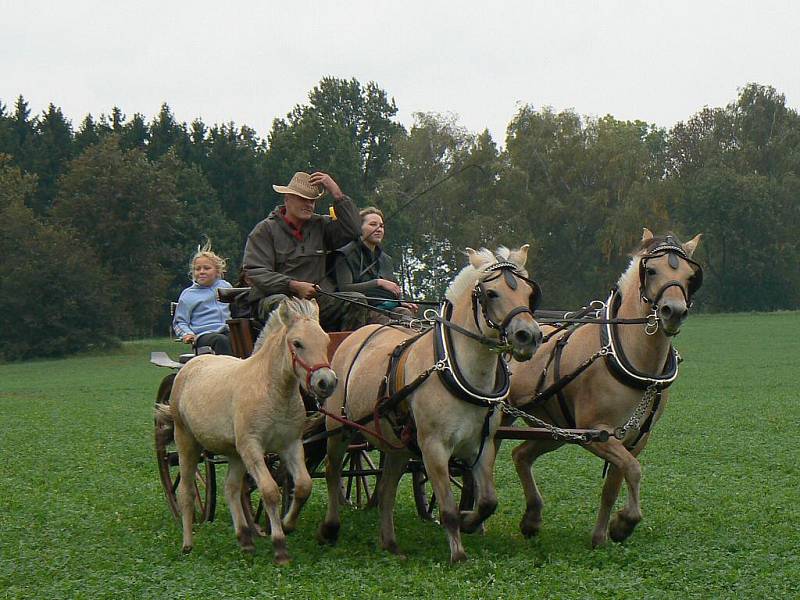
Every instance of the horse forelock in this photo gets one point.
(630, 277)
(469, 275)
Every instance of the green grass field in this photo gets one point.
(82, 514)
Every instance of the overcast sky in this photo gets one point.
(250, 62)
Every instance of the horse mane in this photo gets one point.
(469, 275)
(631, 274)
(303, 308)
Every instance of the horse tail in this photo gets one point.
(165, 424)
(163, 413)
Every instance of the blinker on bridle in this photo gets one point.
(674, 252)
(510, 273)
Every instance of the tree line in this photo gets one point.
(98, 221)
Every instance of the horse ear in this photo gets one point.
(286, 311)
(690, 246)
(520, 257)
(647, 235)
(475, 259)
(316, 309)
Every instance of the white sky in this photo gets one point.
(250, 62)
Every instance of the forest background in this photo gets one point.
(98, 222)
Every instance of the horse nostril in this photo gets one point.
(666, 311)
(523, 337)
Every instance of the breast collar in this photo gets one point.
(618, 363)
(451, 375)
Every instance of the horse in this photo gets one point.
(245, 408)
(613, 394)
(487, 312)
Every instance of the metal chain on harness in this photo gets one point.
(556, 432)
(634, 421)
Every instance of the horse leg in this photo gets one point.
(234, 482)
(189, 456)
(253, 456)
(524, 456)
(437, 459)
(394, 465)
(485, 496)
(294, 459)
(623, 465)
(328, 530)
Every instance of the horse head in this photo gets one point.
(307, 344)
(504, 298)
(668, 278)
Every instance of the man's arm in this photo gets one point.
(347, 226)
(259, 263)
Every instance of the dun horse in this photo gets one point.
(448, 415)
(244, 408)
(622, 389)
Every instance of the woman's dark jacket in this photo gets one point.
(357, 268)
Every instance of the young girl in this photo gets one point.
(200, 317)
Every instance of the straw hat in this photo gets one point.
(300, 186)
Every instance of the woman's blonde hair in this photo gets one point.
(205, 251)
(370, 210)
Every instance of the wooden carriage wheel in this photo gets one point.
(360, 475)
(205, 481)
(425, 498)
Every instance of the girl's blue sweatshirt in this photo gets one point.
(199, 311)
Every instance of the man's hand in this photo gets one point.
(328, 183)
(389, 286)
(188, 338)
(410, 306)
(303, 289)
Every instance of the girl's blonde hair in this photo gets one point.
(205, 251)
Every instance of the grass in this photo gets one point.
(82, 514)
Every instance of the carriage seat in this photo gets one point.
(244, 332)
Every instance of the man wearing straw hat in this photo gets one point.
(287, 253)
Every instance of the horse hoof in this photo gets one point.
(621, 527)
(599, 540)
(530, 528)
(283, 560)
(458, 557)
(328, 533)
(186, 549)
(393, 548)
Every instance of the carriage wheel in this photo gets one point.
(360, 475)
(205, 481)
(425, 498)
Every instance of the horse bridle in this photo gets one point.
(674, 251)
(309, 369)
(510, 272)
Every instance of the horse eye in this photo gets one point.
(650, 271)
(297, 344)
(492, 294)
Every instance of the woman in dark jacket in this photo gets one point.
(362, 266)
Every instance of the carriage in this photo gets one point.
(363, 464)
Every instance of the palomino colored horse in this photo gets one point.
(623, 390)
(452, 414)
(245, 408)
